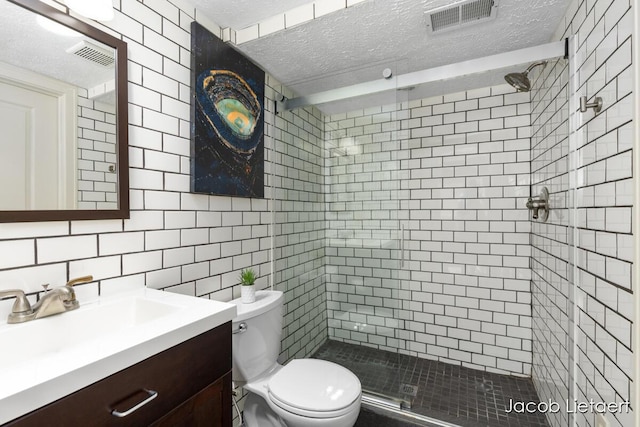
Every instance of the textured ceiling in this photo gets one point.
(25, 44)
(355, 44)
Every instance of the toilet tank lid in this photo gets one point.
(265, 301)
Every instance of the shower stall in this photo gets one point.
(443, 294)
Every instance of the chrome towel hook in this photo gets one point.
(540, 205)
(596, 104)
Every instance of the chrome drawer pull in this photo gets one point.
(152, 395)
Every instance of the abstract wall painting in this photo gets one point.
(227, 119)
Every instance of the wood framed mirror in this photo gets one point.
(64, 115)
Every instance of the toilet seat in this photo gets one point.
(314, 414)
(314, 388)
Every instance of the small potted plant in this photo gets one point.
(248, 290)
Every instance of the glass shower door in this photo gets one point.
(364, 269)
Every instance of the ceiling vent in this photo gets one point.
(461, 14)
(93, 53)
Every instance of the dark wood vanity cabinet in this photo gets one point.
(192, 381)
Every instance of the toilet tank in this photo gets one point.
(256, 349)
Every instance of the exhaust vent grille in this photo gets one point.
(93, 53)
(460, 14)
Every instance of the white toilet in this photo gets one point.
(303, 393)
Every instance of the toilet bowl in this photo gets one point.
(303, 393)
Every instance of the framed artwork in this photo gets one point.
(227, 119)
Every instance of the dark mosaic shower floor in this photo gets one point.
(455, 394)
(370, 418)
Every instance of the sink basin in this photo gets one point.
(55, 356)
(31, 340)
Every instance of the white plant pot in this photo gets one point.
(248, 294)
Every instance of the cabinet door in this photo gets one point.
(176, 374)
(208, 408)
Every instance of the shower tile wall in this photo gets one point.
(604, 215)
(457, 167)
(296, 174)
(177, 241)
(97, 187)
(550, 241)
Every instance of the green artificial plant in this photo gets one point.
(247, 277)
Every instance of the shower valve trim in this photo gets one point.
(540, 205)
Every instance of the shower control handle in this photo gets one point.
(539, 206)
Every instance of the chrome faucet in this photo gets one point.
(52, 302)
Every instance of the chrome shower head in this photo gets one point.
(521, 81)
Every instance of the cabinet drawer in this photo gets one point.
(205, 409)
(176, 374)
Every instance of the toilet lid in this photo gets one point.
(315, 385)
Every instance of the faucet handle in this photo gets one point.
(82, 279)
(71, 302)
(21, 304)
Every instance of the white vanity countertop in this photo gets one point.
(46, 359)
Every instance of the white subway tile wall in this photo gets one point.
(97, 183)
(177, 241)
(295, 175)
(601, 154)
(551, 269)
(454, 171)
